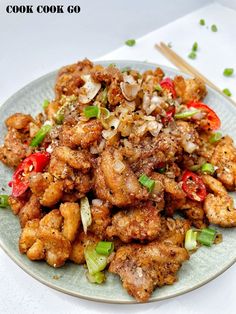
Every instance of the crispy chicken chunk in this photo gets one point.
(19, 121)
(16, 203)
(31, 210)
(86, 133)
(52, 194)
(189, 89)
(100, 218)
(195, 213)
(142, 222)
(76, 159)
(143, 267)
(28, 235)
(119, 189)
(224, 157)
(219, 207)
(71, 215)
(39, 182)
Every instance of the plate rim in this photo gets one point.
(98, 298)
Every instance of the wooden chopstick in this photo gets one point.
(187, 68)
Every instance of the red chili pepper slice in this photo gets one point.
(213, 119)
(169, 115)
(193, 186)
(168, 84)
(34, 163)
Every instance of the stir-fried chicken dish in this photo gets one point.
(116, 170)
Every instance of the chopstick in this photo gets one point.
(187, 68)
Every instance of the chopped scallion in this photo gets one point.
(85, 212)
(4, 201)
(186, 114)
(96, 278)
(195, 46)
(208, 168)
(92, 112)
(95, 262)
(130, 42)
(105, 248)
(40, 135)
(192, 55)
(104, 113)
(195, 167)
(147, 182)
(207, 236)
(214, 28)
(227, 92)
(202, 22)
(46, 102)
(59, 118)
(228, 71)
(104, 96)
(215, 137)
(190, 240)
(158, 88)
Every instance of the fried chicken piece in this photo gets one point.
(114, 94)
(42, 239)
(16, 203)
(144, 267)
(69, 78)
(170, 185)
(31, 210)
(107, 75)
(52, 109)
(52, 194)
(195, 213)
(100, 218)
(189, 89)
(83, 184)
(120, 189)
(220, 210)
(28, 235)
(76, 159)
(86, 133)
(39, 182)
(59, 169)
(72, 219)
(224, 157)
(19, 121)
(78, 246)
(52, 220)
(189, 138)
(15, 148)
(66, 135)
(219, 207)
(142, 222)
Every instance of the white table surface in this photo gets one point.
(32, 45)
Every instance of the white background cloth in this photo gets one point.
(32, 45)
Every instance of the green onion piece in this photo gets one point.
(202, 22)
(104, 113)
(105, 248)
(95, 262)
(112, 65)
(227, 92)
(195, 167)
(161, 170)
(92, 112)
(186, 114)
(215, 137)
(4, 201)
(206, 236)
(158, 88)
(228, 71)
(208, 168)
(192, 55)
(96, 278)
(104, 96)
(46, 102)
(130, 42)
(85, 212)
(214, 28)
(190, 240)
(40, 135)
(147, 182)
(195, 46)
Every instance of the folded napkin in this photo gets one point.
(216, 50)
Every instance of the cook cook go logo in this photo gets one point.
(42, 9)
